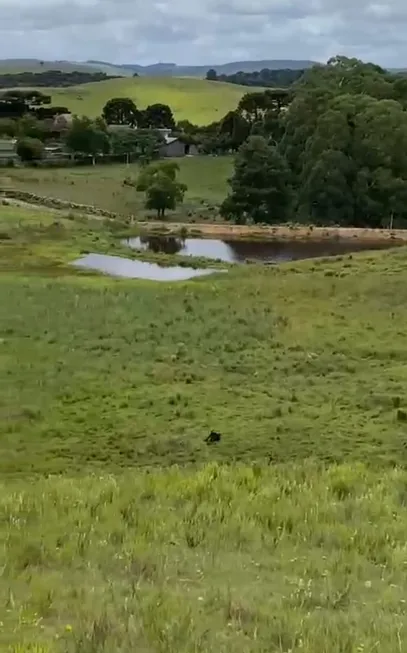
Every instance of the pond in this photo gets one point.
(125, 267)
(240, 251)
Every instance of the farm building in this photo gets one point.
(56, 152)
(174, 147)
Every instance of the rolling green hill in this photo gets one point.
(277, 538)
(194, 99)
(37, 66)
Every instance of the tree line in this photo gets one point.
(266, 78)
(331, 151)
(336, 155)
(30, 117)
(256, 112)
(51, 78)
(14, 104)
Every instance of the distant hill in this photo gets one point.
(38, 66)
(173, 70)
(162, 69)
(154, 70)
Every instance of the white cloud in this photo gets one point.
(203, 31)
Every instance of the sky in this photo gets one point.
(193, 32)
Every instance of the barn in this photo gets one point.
(175, 147)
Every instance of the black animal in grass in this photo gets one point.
(213, 437)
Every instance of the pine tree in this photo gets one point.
(260, 186)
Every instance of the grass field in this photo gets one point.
(197, 100)
(231, 560)
(301, 365)
(206, 178)
(100, 373)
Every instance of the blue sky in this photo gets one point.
(203, 31)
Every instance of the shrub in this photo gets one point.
(30, 149)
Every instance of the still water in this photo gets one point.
(125, 267)
(239, 251)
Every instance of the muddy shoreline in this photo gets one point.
(276, 233)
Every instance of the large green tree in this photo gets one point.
(253, 106)
(234, 129)
(344, 136)
(88, 137)
(121, 111)
(8, 127)
(260, 185)
(149, 143)
(124, 140)
(144, 143)
(28, 126)
(158, 116)
(314, 92)
(30, 149)
(358, 148)
(162, 189)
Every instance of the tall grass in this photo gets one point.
(120, 530)
(292, 558)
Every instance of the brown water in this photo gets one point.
(125, 267)
(240, 251)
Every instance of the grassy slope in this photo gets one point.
(241, 560)
(103, 185)
(283, 361)
(99, 374)
(197, 100)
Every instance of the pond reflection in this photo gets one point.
(240, 251)
(125, 267)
